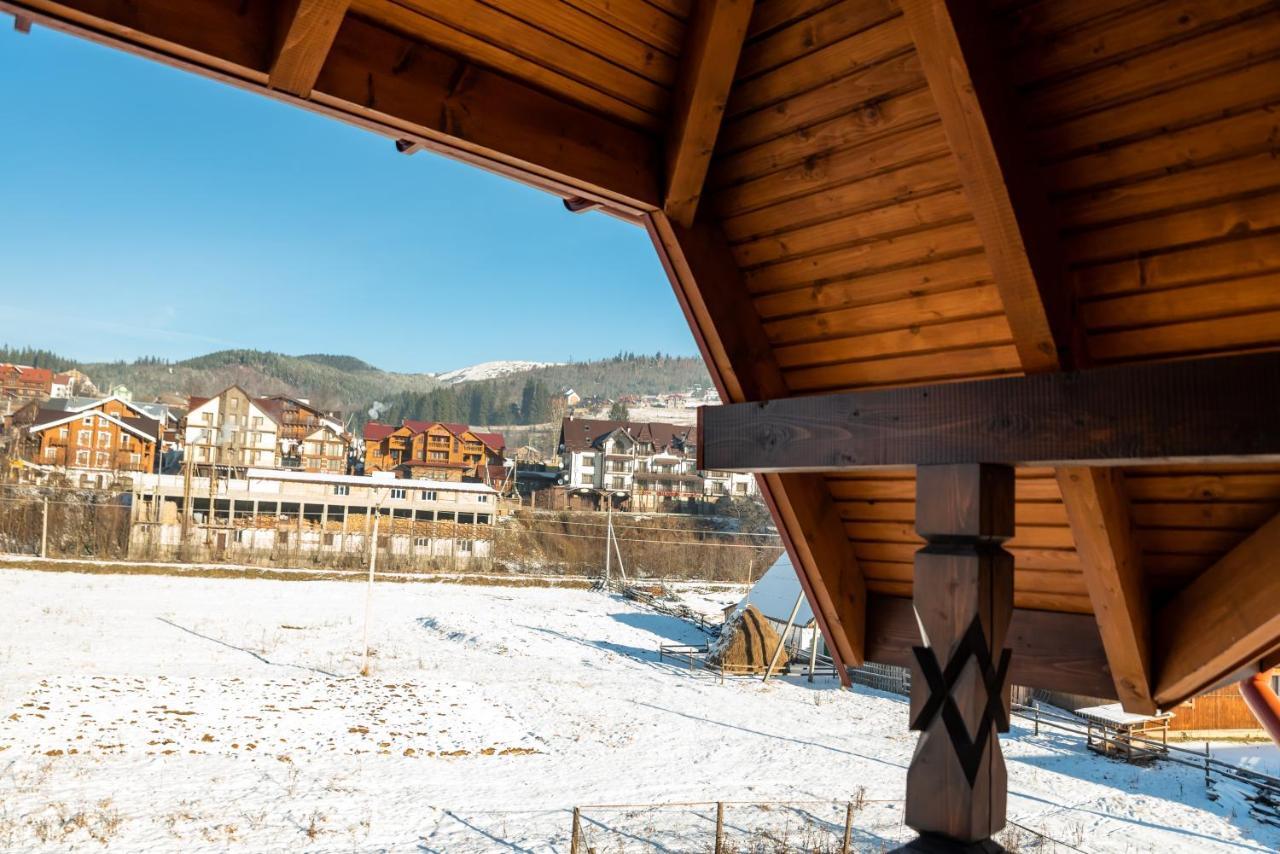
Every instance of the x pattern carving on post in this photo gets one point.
(972, 645)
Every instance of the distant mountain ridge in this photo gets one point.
(350, 384)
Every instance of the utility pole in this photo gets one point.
(368, 596)
(608, 540)
(44, 530)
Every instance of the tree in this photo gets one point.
(618, 412)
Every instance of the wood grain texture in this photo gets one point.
(1223, 621)
(713, 43)
(732, 341)
(1101, 528)
(1054, 651)
(963, 598)
(1193, 410)
(308, 35)
(1010, 208)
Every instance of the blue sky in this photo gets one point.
(148, 211)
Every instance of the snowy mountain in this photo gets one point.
(489, 371)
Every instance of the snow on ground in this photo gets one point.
(1261, 757)
(489, 371)
(159, 713)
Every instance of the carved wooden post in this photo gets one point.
(956, 785)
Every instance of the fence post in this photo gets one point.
(1207, 780)
(576, 831)
(720, 827)
(1036, 707)
(44, 529)
(848, 828)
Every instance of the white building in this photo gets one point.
(647, 462)
(232, 430)
(269, 510)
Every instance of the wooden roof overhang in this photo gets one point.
(866, 194)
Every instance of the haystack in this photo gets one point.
(745, 644)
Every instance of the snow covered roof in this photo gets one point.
(774, 595)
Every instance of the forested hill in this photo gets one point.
(349, 384)
(525, 397)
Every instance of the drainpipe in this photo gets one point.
(1263, 702)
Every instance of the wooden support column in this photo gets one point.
(956, 785)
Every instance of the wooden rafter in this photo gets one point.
(389, 83)
(1013, 216)
(306, 33)
(1102, 529)
(713, 42)
(1223, 621)
(729, 333)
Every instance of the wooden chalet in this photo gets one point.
(1014, 247)
(437, 450)
(96, 442)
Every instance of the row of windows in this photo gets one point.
(400, 493)
(100, 459)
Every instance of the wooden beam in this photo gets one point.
(309, 28)
(1207, 410)
(713, 41)
(709, 289)
(1112, 565)
(1014, 215)
(1223, 621)
(1010, 207)
(1053, 651)
(385, 82)
(963, 595)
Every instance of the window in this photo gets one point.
(439, 455)
(101, 459)
(63, 433)
(82, 458)
(88, 420)
(50, 452)
(421, 542)
(428, 495)
(483, 518)
(135, 459)
(257, 422)
(104, 439)
(233, 403)
(464, 546)
(125, 440)
(208, 418)
(482, 498)
(341, 489)
(84, 437)
(328, 539)
(397, 493)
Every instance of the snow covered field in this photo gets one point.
(152, 713)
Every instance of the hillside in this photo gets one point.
(492, 392)
(332, 382)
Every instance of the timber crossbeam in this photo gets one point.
(1206, 410)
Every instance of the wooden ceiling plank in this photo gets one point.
(1223, 621)
(307, 36)
(731, 338)
(713, 44)
(1012, 211)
